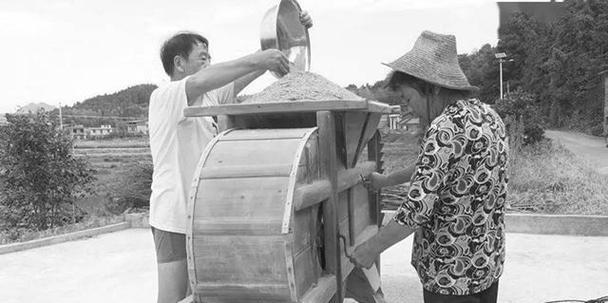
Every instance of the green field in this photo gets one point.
(115, 162)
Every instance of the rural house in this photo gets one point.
(137, 127)
(99, 132)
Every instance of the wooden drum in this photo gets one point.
(272, 211)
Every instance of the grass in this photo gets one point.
(547, 178)
(88, 223)
(112, 143)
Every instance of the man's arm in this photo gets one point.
(218, 75)
(242, 82)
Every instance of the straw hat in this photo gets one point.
(434, 59)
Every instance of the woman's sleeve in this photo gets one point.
(428, 179)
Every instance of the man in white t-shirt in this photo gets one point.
(177, 142)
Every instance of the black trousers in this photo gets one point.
(487, 296)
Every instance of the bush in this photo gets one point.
(522, 117)
(40, 176)
(134, 190)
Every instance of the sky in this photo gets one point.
(65, 51)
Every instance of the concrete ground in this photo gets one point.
(120, 267)
(590, 148)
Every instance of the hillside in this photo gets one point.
(34, 107)
(128, 103)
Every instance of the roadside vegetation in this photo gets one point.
(52, 185)
(547, 178)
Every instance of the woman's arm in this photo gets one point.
(366, 253)
(376, 181)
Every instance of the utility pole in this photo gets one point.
(60, 118)
(501, 58)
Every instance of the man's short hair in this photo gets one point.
(180, 44)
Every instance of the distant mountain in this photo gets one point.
(34, 107)
(130, 103)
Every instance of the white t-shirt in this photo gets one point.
(176, 143)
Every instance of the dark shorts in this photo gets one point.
(487, 296)
(170, 246)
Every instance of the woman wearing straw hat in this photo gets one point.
(455, 202)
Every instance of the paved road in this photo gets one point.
(590, 148)
(120, 267)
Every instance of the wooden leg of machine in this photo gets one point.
(333, 256)
(363, 285)
(374, 153)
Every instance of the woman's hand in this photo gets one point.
(375, 181)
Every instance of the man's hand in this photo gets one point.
(364, 256)
(375, 181)
(305, 19)
(273, 60)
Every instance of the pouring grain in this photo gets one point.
(300, 86)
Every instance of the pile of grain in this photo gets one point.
(300, 86)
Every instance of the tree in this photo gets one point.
(40, 176)
(481, 69)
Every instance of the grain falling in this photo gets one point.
(302, 86)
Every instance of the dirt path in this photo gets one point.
(590, 148)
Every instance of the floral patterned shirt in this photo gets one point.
(456, 200)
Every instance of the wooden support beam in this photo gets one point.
(322, 292)
(328, 156)
(318, 191)
(277, 107)
(379, 107)
(311, 194)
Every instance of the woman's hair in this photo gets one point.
(438, 98)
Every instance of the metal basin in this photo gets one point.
(281, 29)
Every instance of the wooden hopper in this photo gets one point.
(277, 200)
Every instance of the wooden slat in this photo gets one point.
(240, 259)
(232, 292)
(302, 237)
(255, 198)
(322, 292)
(246, 171)
(258, 152)
(265, 134)
(259, 226)
(274, 107)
